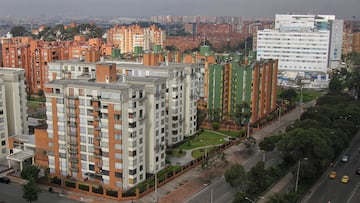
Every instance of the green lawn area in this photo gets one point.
(200, 152)
(35, 105)
(308, 95)
(204, 139)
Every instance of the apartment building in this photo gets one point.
(3, 122)
(302, 43)
(34, 55)
(13, 116)
(97, 129)
(233, 83)
(181, 95)
(15, 100)
(135, 39)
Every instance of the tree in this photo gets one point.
(201, 115)
(31, 191)
(269, 143)
(288, 94)
(30, 171)
(257, 179)
(236, 177)
(336, 85)
(19, 31)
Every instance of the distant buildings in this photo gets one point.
(135, 39)
(34, 55)
(305, 43)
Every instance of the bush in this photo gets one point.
(30, 171)
(70, 184)
(111, 193)
(215, 125)
(84, 187)
(98, 190)
(56, 180)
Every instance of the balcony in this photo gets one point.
(99, 164)
(73, 134)
(74, 161)
(97, 147)
(98, 137)
(73, 151)
(72, 106)
(73, 143)
(73, 97)
(72, 124)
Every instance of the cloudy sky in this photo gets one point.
(343, 9)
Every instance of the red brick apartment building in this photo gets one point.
(34, 55)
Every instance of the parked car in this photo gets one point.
(5, 180)
(345, 158)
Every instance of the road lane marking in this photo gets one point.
(353, 193)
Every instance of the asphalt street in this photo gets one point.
(12, 193)
(332, 190)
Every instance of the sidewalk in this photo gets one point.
(280, 186)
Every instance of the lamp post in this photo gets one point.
(279, 109)
(250, 200)
(298, 174)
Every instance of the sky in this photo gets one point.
(343, 9)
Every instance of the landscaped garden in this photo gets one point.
(203, 139)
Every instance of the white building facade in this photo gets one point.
(309, 45)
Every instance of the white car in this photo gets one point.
(345, 158)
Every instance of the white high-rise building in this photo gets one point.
(302, 43)
(13, 115)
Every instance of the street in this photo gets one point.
(332, 189)
(12, 193)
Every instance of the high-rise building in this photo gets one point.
(135, 39)
(34, 55)
(181, 95)
(102, 128)
(231, 84)
(13, 115)
(302, 43)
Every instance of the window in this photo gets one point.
(132, 172)
(118, 175)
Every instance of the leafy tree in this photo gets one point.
(257, 179)
(269, 143)
(19, 31)
(31, 191)
(171, 48)
(236, 177)
(240, 197)
(201, 115)
(288, 94)
(336, 85)
(30, 171)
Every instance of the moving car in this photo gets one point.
(332, 175)
(358, 171)
(345, 158)
(345, 179)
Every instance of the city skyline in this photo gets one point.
(346, 9)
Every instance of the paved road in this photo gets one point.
(12, 193)
(332, 189)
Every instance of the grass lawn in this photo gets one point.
(308, 95)
(204, 139)
(199, 152)
(177, 153)
(35, 105)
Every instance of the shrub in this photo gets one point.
(215, 125)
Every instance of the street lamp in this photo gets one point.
(298, 173)
(250, 200)
(279, 109)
